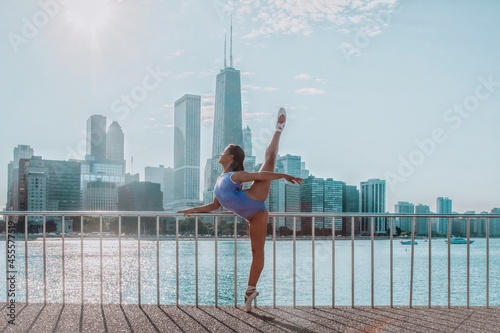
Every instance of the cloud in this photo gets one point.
(291, 17)
(247, 87)
(304, 77)
(309, 91)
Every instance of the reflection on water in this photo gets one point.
(226, 274)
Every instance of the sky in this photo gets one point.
(406, 91)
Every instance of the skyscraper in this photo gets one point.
(373, 201)
(292, 165)
(107, 171)
(350, 204)
(333, 202)
(443, 206)
(405, 223)
(96, 137)
(495, 223)
(227, 116)
(275, 201)
(115, 142)
(164, 177)
(312, 196)
(187, 115)
(48, 185)
(421, 223)
(320, 195)
(247, 141)
(21, 151)
(249, 163)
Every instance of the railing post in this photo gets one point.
(44, 229)
(196, 259)
(391, 259)
(352, 261)
(235, 250)
(216, 262)
(158, 260)
(372, 260)
(449, 263)
(487, 262)
(274, 262)
(412, 262)
(429, 239)
(25, 254)
(139, 259)
(313, 228)
(120, 257)
(81, 256)
(177, 260)
(468, 262)
(294, 261)
(100, 256)
(333, 262)
(63, 261)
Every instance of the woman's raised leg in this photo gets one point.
(260, 189)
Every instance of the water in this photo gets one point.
(284, 272)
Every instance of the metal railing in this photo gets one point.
(9, 218)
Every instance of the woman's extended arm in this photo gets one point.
(201, 209)
(243, 176)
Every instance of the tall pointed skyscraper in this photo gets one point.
(227, 119)
(115, 142)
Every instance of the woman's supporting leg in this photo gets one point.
(258, 233)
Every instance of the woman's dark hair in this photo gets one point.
(238, 157)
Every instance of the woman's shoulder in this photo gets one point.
(231, 176)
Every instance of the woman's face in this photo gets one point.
(225, 156)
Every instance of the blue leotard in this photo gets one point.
(233, 198)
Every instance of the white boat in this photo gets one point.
(459, 240)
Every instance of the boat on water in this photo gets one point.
(408, 242)
(459, 240)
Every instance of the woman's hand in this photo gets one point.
(293, 180)
(186, 212)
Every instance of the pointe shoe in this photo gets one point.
(249, 299)
(280, 126)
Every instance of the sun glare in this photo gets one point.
(88, 17)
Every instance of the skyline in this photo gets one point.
(414, 95)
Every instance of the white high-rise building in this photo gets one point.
(187, 116)
(373, 201)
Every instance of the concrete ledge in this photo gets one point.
(151, 318)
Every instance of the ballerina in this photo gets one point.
(248, 203)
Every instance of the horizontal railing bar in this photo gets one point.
(277, 214)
